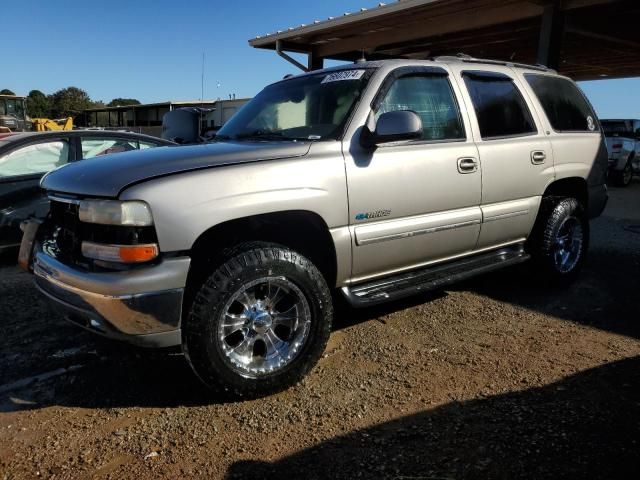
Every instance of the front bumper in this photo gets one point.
(141, 306)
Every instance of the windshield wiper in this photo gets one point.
(221, 137)
(264, 135)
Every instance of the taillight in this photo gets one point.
(616, 145)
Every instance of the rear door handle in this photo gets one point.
(538, 157)
(467, 165)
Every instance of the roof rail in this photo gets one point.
(461, 57)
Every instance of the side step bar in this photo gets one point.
(405, 284)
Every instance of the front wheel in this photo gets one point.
(560, 239)
(259, 323)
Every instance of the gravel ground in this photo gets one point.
(498, 377)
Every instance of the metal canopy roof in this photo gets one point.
(151, 105)
(584, 39)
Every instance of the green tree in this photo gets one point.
(6, 91)
(121, 102)
(38, 104)
(69, 102)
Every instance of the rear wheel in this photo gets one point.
(623, 178)
(260, 322)
(560, 239)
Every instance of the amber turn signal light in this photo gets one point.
(120, 253)
(138, 253)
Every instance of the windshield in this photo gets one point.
(312, 107)
(619, 127)
(11, 106)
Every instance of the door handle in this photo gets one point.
(467, 165)
(538, 157)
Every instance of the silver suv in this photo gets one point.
(375, 180)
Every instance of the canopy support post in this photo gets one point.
(288, 58)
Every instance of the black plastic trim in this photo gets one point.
(406, 284)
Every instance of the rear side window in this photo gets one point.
(499, 105)
(96, 147)
(565, 105)
(35, 159)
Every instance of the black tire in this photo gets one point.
(240, 267)
(556, 217)
(623, 178)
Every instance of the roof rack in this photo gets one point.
(462, 57)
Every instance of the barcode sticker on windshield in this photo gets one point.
(343, 75)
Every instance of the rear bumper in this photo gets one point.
(598, 197)
(142, 306)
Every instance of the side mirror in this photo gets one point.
(393, 127)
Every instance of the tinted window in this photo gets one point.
(31, 159)
(95, 147)
(616, 127)
(566, 107)
(432, 99)
(499, 106)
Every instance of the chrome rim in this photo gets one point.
(264, 326)
(568, 244)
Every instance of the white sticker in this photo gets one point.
(590, 123)
(343, 75)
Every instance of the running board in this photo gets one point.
(405, 284)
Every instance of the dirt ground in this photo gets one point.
(499, 377)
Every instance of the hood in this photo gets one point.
(107, 176)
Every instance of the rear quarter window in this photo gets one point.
(37, 158)
(564, 104)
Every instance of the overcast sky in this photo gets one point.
(152, 49)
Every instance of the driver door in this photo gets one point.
(411, 203)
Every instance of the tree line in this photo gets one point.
(67, 102)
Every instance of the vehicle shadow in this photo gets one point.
(346, 316)
(102, 373)
(9, 256)
(605, 295)
(583, 426)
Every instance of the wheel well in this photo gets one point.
(303, 231)
(574, 187)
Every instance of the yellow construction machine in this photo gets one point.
(47, 124)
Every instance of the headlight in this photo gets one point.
(133, 213)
